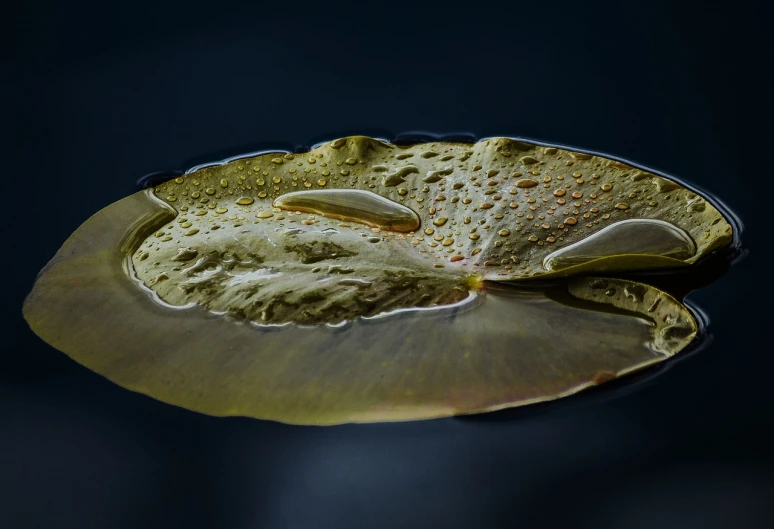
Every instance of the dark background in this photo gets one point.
(97, 96)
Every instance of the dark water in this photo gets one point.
(96, 99)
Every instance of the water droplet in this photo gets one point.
(245, 201)
(559, 193)
(528, 160)
(625, 238)
(440, 221)
(398, 175)
(185, 254)
(580, 156)
(697, 204)
(635, 292)
(364, 207)
(526, 182)
(622, 206)
(664, 185)
(264, 215)
(434, 176)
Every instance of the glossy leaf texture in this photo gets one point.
(365, 281)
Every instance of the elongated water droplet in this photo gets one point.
(185, 254)
(399, 175)
(628, 237)
(434, 176)
(352, 205)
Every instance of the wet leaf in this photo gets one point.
(355, 282)
(281, 238)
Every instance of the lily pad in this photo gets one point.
(365, 281)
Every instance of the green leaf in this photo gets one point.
(365, 281)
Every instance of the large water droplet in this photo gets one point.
(628, 237)
(352, 205)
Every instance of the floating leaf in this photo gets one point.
(356, 282)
